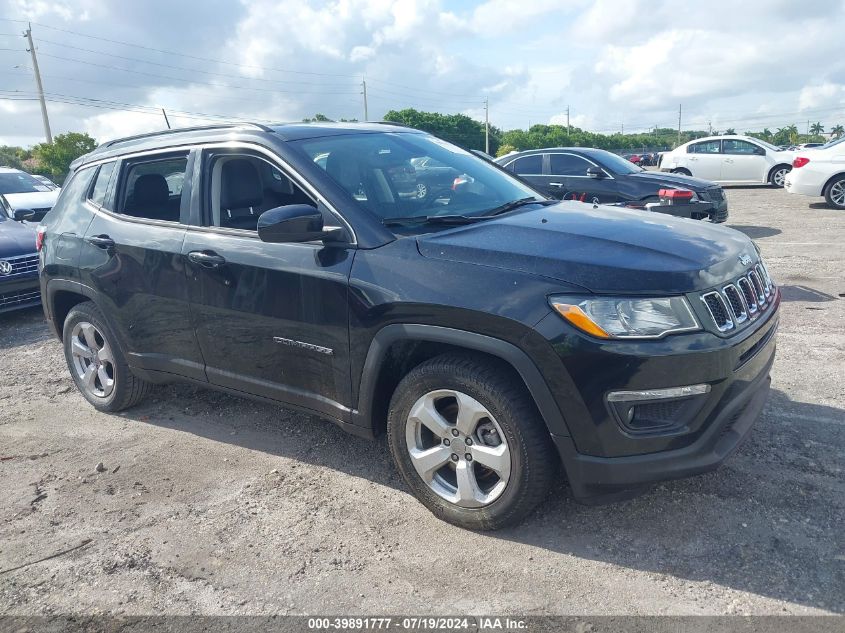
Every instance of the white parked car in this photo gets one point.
(820, 172)
(22, 191)
(730, 160)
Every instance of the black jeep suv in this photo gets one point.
(492, 333)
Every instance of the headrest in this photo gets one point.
(241, 185)
(150, 189)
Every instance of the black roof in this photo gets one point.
(224, 131)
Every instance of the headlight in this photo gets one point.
(627, 317)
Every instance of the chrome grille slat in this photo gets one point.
(15, 298)
(758, 288)
(736, 302)
(748, 294)
(719, 311)
(21, 264)
(767, 283)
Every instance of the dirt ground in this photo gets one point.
(213, 505)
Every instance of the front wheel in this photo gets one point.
(778, 176)
(470, 443)
(682, 171)
(834, 194)
(96, 362)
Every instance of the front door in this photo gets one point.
(570, 170)
(743, 161)
(271, 319)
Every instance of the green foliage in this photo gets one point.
(816, 129)
(837, 130)
(12, 156)
(505, 149)
(455, 128)
(730, 130)
(55, 158)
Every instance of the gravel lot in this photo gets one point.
(214, 505)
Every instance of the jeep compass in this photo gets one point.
(494, 335)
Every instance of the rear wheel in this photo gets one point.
(682, 171)
(834, 193)
(470, 443)
(777, 177)
(96, 362)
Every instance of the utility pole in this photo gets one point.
(710, 126)
(166, 120)
(623, 128)
(808, 127)
(487, 125)
(679, 123)
(364, 86)
(45, 120)
(568, 129)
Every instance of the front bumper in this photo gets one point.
(603, 456)
(19, 293)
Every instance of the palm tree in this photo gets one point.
(730, 130)
(837, 130)
(816, 128)
(767, 133)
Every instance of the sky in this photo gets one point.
(109, 66)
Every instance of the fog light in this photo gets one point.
(656, 410)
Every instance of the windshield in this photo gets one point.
(411, 175)
(614, 162)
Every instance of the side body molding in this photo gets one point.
(508, 352)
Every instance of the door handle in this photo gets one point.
(729, 160)
(556, 184)
(101, 241)
(207, 259)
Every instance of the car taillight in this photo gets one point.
(800, 162)
(40, 232)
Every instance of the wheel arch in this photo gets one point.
(62, 296)
(398, 348)
(775, 168)
(831, 180)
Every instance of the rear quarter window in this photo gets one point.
(69, 214)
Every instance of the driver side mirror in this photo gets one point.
(21, 215)
(595, 172)
(295, 223)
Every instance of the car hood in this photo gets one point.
(16, 239)
(603, 249)
(32, 200)
(673, 180)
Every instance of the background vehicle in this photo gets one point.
(19, 286)
(464, 326)
(736, 160)
(637, 159)
(820, 172)
(23, 191)
(569, 172)
(45, 181)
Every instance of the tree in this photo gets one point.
(730, 130)
(318, 118)
(505, 149)
(55, 158)
(455, 128)
(816, 128)
(837, 130)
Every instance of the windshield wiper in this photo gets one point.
(515, 204)
(432, 219)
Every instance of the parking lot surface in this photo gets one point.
(215, 505)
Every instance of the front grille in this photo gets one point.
(741, 301)
(19, 297)
(21, 265)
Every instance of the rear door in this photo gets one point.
(568, 174)
(704, 160)
(271, 319)
(743, 161)
(530, 169)
(132, 257)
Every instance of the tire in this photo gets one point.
(777, 177)
(96, 362)
(496, 408)
(682, 171)
(834, 192)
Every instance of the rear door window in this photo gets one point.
(705, 147)
(152, 188)
(528, 165)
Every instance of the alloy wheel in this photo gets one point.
(422, 191)
(779, 177)
(92, 360)
(458, 448)
(837, 193)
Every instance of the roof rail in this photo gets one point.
(220, 126)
